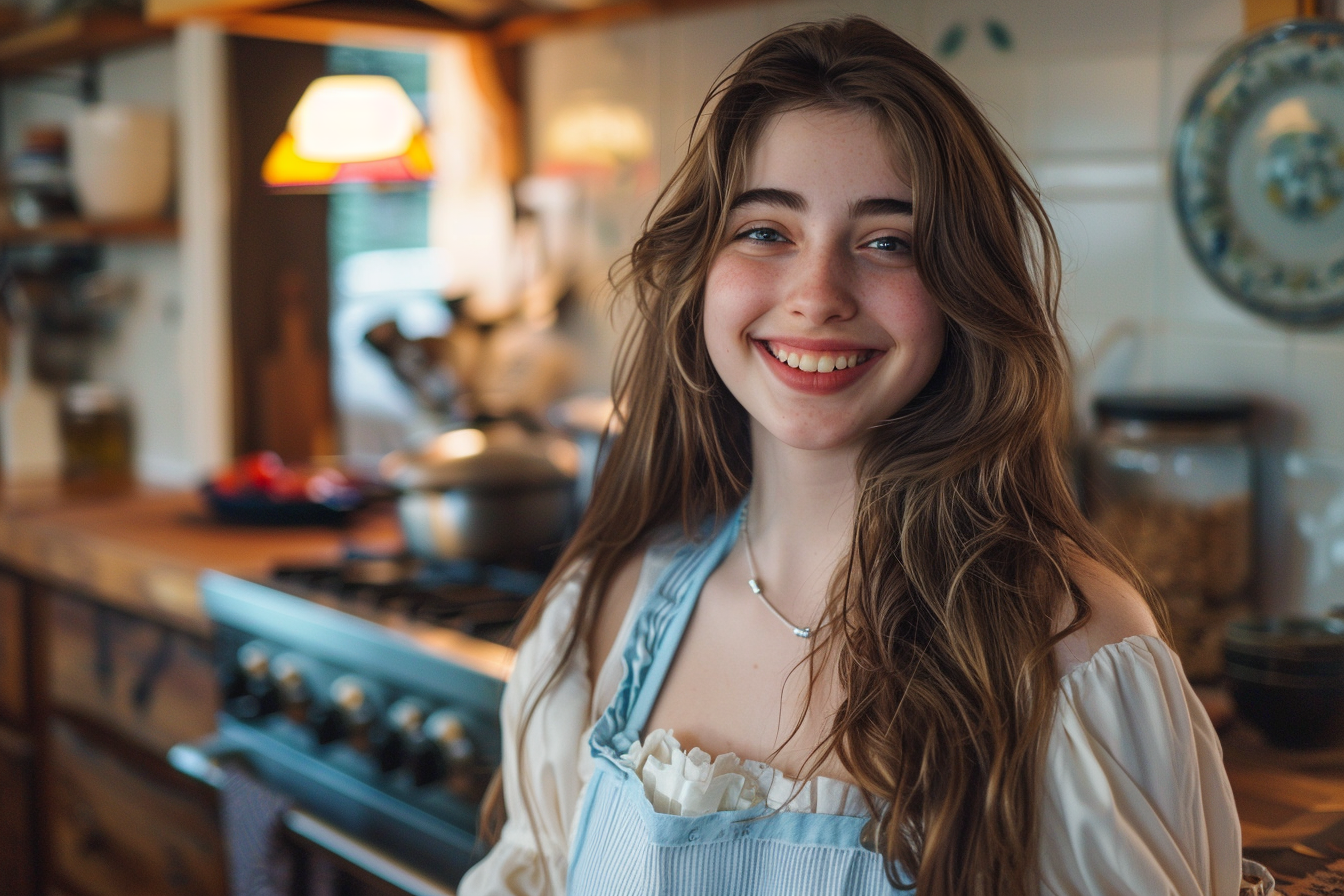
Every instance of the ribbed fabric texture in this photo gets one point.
(706, 857)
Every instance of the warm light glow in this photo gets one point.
(354, 118)
(457, 443)
(350, 129)
(595, 133)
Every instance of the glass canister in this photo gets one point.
(1171, 482)
(96, 435)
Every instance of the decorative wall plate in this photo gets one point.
(1258, 172)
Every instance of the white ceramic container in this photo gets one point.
(121, 161)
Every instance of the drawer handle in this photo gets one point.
(155, 666)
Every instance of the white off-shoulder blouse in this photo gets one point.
(1136, 800)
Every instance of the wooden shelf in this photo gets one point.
(72, 37)
(75, 230)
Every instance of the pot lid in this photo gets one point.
(473, 459)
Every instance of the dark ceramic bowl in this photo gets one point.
(1289, 644)
(1286, 675)
(251, 508)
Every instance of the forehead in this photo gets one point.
(817, 152)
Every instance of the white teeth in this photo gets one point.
(818, 363)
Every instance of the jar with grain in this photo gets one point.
(1171, 483)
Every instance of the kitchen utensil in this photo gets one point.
(1258, 172)
(121, 161)
(495, 493)
(1169, 481)
(1286, 675)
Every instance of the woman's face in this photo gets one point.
(815, 316)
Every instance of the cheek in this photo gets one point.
(727, 306)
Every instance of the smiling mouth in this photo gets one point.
(818, 362)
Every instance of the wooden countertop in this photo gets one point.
(142, 549)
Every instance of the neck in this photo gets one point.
(800, 519)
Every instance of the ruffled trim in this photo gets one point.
(694, 784)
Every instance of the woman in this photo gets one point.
(836, 538)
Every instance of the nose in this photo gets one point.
(822, 286)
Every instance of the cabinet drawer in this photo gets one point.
(155, 685)
(122, 826)
(13, 652)
(17, 850)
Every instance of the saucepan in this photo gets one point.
(496, 493)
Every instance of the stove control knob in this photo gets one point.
(399, 738)
(254, 658)
(251, 693)
(444, 729)
(407, 716)
(355, 698)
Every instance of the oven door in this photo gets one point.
(363, 870)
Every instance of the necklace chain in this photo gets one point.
(755, 584)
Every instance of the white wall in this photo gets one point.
(169, 354)
(1090, 97)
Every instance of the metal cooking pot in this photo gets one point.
(493, 494)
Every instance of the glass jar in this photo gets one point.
(96, 435)
(1171, 483)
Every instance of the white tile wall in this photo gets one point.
(1090, 96)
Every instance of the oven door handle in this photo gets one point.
(203, 764)
(346, 848)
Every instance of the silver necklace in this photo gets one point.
(756, 586)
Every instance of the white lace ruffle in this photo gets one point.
(693, 784)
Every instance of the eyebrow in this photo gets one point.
(795, 202)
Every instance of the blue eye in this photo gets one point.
(890, 244)
(761, 235)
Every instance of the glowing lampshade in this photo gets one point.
(598, 134)
(350, 129)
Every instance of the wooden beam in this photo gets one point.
(1258, 14)
(343, 32)
(524, 28)
(485, 65)
(170, 12)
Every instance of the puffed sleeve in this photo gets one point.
(532, 844)
(1136, 799)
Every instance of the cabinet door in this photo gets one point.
(121, 825)
(18, 852)
(153, 684)
(13, 651)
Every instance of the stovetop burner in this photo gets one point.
(476, 599)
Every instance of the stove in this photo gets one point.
(368, 693)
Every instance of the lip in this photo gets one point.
(817, 383)
(823, 346)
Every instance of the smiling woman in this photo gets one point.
(834, 546)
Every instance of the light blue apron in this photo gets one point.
(623, 847)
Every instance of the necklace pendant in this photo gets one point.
(803, 632)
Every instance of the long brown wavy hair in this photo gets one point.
(946, 609)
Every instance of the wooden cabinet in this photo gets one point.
(17, 820)
(14, 637)
(154, 685)
(122, 825)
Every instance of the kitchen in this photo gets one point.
(1090, 95)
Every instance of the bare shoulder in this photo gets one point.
(611, 612)
(1118, 610)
